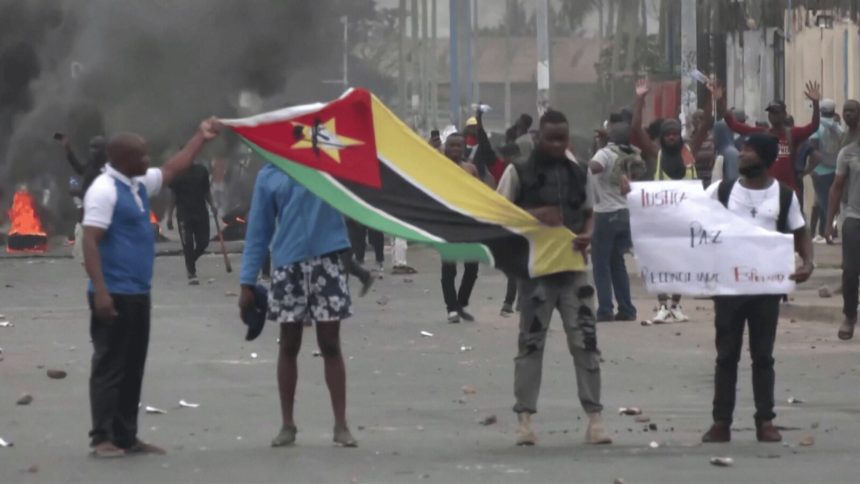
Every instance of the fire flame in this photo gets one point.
(152, 218)
(23, 216)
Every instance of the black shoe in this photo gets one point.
(465, 316)
(605, 319)
(624, 317)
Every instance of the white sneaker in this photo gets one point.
(380, 267)
(819, 240)
(678, 314)
(453, 317)
(663, 315)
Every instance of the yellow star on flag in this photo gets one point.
(327, 139)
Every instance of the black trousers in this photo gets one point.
(352, 267)
(456, 300)
(358, 237)
(194, 234)
(761, 314)
(850, 266)
(116, 377)
(511, 291)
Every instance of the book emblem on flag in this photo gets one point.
(322, 138)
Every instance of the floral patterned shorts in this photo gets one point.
(310, 291)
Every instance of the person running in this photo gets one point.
(119, 253)
(668, 158)
(847, 183)
(772, 205)
(612, 238)
(309, 285)
(557, 192)
(190, 199)
(790, 138)
(456, 300)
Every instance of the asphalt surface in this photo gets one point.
(406, 404)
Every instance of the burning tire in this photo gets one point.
(26, 234)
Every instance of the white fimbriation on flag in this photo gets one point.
(687, 243)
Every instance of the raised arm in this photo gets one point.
(70, 156)
(183, 160)
(740, 128)
(638, 136)
(813, 93)
(701, 134)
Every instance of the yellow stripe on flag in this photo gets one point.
(551, 248)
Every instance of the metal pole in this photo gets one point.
(454, 91)
(345, 21)
(508, 15)
(543, 87)
(425, 66)
(416, 66)
(689, 102)
(474, 53)
(434, 76)
(468, 37)
(401, 59)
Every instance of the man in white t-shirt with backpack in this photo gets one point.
(772, 205)
(612, 164)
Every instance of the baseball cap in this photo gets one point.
(255, 317)
(828, 106)
(775, 105)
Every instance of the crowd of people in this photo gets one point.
(308, 249)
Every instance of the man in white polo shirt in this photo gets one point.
(119, 252)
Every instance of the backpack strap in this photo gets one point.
(786, 194)
(724, 190)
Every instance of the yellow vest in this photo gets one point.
(687, 157)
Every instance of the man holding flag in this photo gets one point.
(557, 192)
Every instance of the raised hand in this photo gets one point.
(813, 91)
(209, 128)
(642, 88)
(717, 90)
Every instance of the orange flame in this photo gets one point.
(23, 216)
(152, 218)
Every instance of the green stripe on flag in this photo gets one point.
(355, 208)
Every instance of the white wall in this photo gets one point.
(750, 72)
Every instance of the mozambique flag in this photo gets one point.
(355, 154)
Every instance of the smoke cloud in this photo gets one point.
(155, 67)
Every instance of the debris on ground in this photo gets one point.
(488, 420)
(254, 356)
(629, 411)
(794, 401)
(408, 280)
(654, 444)
(210, 281)
(618, 481)
(33, 469)
(154, 410)
(641, 419)
(26, 399)
(427, 334)
(6, 443)
(56, 374)
(722, 461)
(652, 426)
(646, 323)
(465, 348)
(469, 390)
(383, 301)
(230, 294)
(317, 353)
(183, 403)
(807, 441)
(6, 324)
(825, 293)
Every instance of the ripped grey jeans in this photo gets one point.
(572, 294)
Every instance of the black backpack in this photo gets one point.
(785, 195)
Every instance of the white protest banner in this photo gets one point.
(688, 243)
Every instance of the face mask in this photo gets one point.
(754, 171)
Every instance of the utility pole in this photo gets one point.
(401, 59)
(688, 59)
(474, 48)
(425, 66)
(467, 37)
(454, 61)
(434, 76)
(416, 66)
(508, 16)
(543, 82)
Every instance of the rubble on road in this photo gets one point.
(629, 411)
(722, 461)
(26, 399)
(488, 420)
(56, 374)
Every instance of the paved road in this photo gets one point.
(406, 403)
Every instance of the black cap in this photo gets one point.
(776, 105)
(765, 145)
(255, 317)
(434, 133)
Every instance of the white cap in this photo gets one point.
(828, 106)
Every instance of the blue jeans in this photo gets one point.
(610, 241)
(822, 184)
